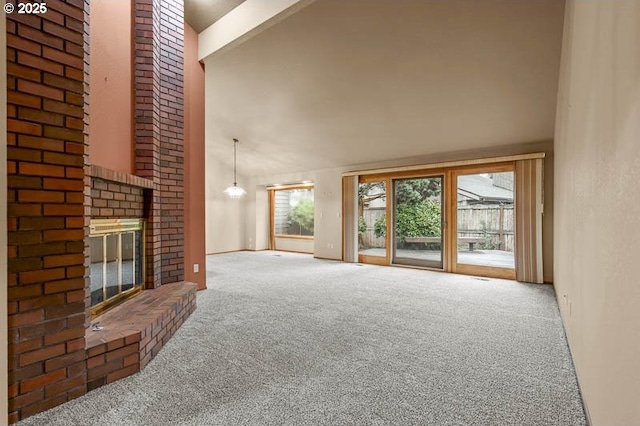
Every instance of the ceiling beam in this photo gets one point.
(244, 22)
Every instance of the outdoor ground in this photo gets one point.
(494, 258)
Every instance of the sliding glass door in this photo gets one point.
(418, 219)
(372, 222)
(484, 221)
(458, 219)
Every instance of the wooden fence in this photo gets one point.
(493, 222)
(369, 239)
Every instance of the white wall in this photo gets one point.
(3, 222)
(257, 218)
(328, 214)
(225, 218)
(262, 212)
(294, 244)
(597, 204)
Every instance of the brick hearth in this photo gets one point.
(135, 331)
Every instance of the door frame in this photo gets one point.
(461, 268)
(386, 259)
(449, 206)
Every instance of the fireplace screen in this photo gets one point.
(117, 260)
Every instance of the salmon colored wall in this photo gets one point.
(194, 197)
(111, 90)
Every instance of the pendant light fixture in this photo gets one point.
(234, 191)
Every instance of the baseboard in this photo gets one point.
(585, 408)
(327, 258)
(225, 252)
(293, 251)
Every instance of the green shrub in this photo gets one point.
(488, 243)
(417, 214)
(302, 217)
(380, 226)
(421, 219)
(362, 225)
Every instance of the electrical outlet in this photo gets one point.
(196, 268)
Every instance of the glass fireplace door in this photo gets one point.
(117, 260)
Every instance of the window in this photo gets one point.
(293, 212)
(490, 216)
(116, 260)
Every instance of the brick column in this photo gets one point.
(147, 126)
(46, 223)
(87, 168)
(159, 124)
(172, 139)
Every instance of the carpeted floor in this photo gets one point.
(285, 339)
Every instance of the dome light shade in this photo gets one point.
(234, 191)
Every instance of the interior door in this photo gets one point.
(418, 221)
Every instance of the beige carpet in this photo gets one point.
(285, 339)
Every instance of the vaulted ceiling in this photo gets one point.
(351, 82)
(202, 13)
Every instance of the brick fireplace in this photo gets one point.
(116, 198)
(55, 189)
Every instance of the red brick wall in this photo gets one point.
(111, 200)
(87, 167)
(159, 123)
(46, 223)
(52, 194)
(171, 182)
(147, 126)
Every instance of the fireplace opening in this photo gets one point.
(117, 261)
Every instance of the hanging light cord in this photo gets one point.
(235, 141)
(235, 191)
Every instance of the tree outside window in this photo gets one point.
(294, 212)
